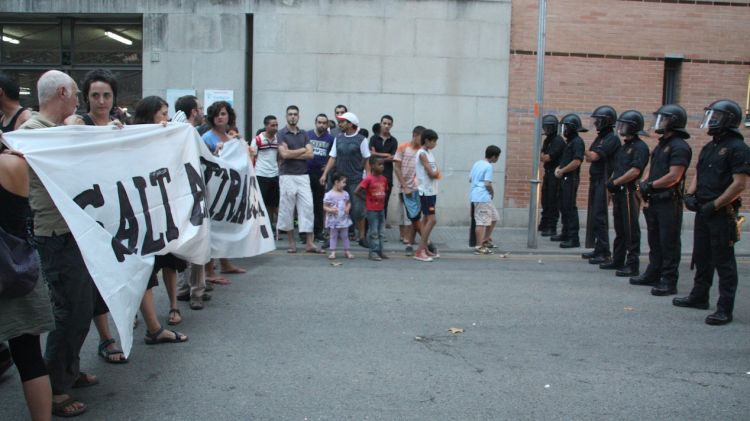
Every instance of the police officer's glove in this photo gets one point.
(611, 186)
(708, 208)
(646, 188)
(691, 202)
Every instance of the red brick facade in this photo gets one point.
(612, 52)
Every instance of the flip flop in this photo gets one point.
(291, 250)
(58, 408)
(153, 338)
(105, 353)
(84, 381)
(315, 251)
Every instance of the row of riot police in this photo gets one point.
(618, 170)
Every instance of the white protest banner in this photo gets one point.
(235, 197)
(133, 193)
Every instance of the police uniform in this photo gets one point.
(605, 145)
(554, 147)
(664, 215)
(574, 149)
(716, 231)
(626, 206)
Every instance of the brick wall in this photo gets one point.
(610, 52)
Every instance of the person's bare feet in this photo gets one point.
(230, 268)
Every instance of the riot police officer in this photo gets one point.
(552, 150)
(714, 195)
(662, 189)
(630, 161)
(601, 155)
(569, 172)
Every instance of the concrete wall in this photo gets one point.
(440, 64)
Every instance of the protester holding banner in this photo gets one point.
(191, 286)
(100, 96)
(24, 318)
(71, 288)
(220, 117)
(154, 110)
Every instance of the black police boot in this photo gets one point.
(589, 255)
(558, 238)
(569, 244)
(664, 287)
(644, 279)
(690, 301)
(719, 318)
(611, 265)
(600, 260)
(549, 232)
(627, 271)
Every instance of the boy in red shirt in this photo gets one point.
(374, 188)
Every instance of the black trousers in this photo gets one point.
(73, 296)
(626, 206)
(318, 191)
(550, 201)
(664, 222)
(597, 224)
(388, 197)
(713, 249)
(568, 208)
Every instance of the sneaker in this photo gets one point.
(482, 250)
(422, 256)
(489, 244)
(383, 256)
(431, 248)
(434, 254)
(363, 243)
(375, 257)
(409, 251)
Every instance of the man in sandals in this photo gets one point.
(294, 151)
(71, 288)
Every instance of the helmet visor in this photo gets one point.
(660, 122)
(711, 119)
(625, 128)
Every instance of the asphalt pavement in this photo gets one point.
(545, 336)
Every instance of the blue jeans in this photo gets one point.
(375, 224)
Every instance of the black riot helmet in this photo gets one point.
(570, 125)
(603, 117)
(630, 123)
(671, 117)
(549, 125)
(722, 115)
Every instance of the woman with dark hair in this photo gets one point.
(100, 96)
(221, 117)
(23, 319)
(153, 110)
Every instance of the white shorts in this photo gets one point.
(295, 192)
(485, 214)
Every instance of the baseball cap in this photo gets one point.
(349, 116)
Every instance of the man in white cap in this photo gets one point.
(348, 156)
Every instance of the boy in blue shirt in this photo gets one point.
(482, 193)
